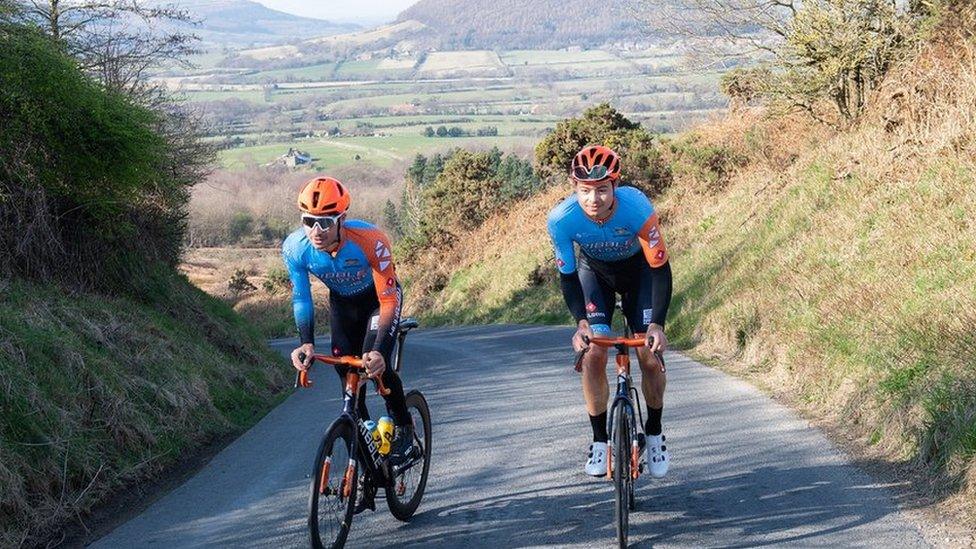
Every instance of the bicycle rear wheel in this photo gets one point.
(332, 497)
(622, 482)
(405, 492)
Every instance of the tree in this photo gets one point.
(391, 218)
(116, 41)
(441, 131)
(642, 165)
(810, 50)
(429, 132)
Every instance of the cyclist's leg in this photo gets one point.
(637, 308)
(348, 331)
(396, 404)
(599, 298)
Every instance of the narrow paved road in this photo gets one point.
(509, 438)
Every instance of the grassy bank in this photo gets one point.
(99, 392)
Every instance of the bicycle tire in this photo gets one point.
(622, 482)
(336, 497)
(403, 510)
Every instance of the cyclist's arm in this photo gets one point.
(301, 299)
(387, 288)
(569, 281)
(652, 244)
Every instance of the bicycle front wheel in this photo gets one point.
(622, 481)
(332, 497)
(405, 492)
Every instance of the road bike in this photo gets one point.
(349, 464)
(625, 427)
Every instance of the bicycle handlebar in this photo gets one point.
(612, 342)
(301, 379)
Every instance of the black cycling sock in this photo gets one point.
(599, 424)
(653, 424)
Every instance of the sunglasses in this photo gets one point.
(325, 222)
(596, 173)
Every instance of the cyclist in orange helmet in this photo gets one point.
(353, 259)
(621, 251)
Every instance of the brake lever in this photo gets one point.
(580, 354)
(301, 376)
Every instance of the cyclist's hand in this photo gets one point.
(582, 329)
(655, 339)
(309, 350)
(375, 363)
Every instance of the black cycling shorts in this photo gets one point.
(354, 320)
(602, 280)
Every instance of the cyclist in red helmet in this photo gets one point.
(353, 259)
(621, 251)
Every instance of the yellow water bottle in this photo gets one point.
(374, 432)
(385, 429)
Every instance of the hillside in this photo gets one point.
(532, 24)
(836, 269)
(237, 23)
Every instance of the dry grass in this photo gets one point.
(506, 277)
(268, 198)
(270, 312)
(843, 277)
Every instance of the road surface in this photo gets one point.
(510, 435)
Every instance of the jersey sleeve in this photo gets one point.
(376, 246)
(562, 245)
(652, 243)
(301, 296)
(649, 230)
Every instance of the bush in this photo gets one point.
(467, 188)
(240, 225)
(276, 281)
(239, 284)
(642, 165)
(87, 178)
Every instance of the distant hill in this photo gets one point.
(400, 36)
(241, 23)
(525, 24)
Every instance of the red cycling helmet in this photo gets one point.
(595, 164)
(324, 196)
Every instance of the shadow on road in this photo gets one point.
(767, 506)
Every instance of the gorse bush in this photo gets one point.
(642, 163)
(446, 196)
(90, 194)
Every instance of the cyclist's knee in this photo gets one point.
(648, 362)
(596, 360)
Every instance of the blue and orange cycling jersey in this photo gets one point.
(362, 264)
(632, 226)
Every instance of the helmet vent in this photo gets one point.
(315, 197)
(330, 206)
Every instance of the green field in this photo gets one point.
(323, 71)
(549, 57)
(381, 106)
(381, 151)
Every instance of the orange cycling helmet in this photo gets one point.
(324, 196)
(595, 163)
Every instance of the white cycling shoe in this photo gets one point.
(657, 455)
(596, 462)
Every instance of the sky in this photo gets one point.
(363, 11)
